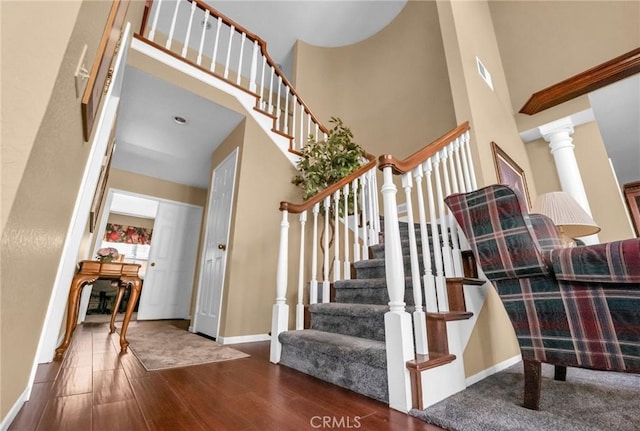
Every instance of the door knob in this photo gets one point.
(222, 247)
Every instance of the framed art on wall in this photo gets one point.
(632, 196)
(98, 197)
(510, 173)
(101, 71)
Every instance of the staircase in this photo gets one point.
(345, 343)
(364, 333)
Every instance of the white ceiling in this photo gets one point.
(149, 142)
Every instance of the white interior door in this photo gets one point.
(168, 282)
(207, 318)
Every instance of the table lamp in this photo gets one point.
(566, 213)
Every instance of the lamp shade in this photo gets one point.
(566, 213)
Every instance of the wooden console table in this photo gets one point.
(120, 274)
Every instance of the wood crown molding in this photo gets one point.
(590, 80)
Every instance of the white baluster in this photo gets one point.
(215, 45)
(419, 318)
(242, 41)
(435, 235)
(173, 25)
(270, 110)
(397, 322)
(313, 285)
(232, 31)
(300, 305)
(325, 280)
(472, 171)
(185, 47)
(347, 263)
(294, 110)
(154, 25)
(336, 236)
(204, 32)
(262, 102)
(376, 207)
(363, 200)
(315, 136)
(430, 299)
(371, 192)
(459, 170)
(455, 240)
(452, 234)
(278, 113)
(465, 165)
(280, 315)
(254, 67)
(356, 221)
(303, 138)
(443, 300)
(286, 111)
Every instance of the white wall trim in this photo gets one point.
(13, 412)
(243, 339)
(494, 369)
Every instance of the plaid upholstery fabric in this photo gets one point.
(614, 262)
(580, 307)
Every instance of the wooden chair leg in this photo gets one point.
(532, 383)
(560, 373)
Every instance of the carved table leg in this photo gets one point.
(136, 287)
(121, 287)
(73, 305)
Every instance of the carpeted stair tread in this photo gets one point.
(354, 363)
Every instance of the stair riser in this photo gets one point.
(379, 271)
(378, 296)
(371, 327)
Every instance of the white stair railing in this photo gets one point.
(447, 167)
(332, 205)
(197, 33)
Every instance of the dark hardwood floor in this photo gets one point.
(95, 388)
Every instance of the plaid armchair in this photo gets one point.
(576, 307)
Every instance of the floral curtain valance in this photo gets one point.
(127, 234)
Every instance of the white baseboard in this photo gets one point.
(244, 339)
(492, 370)
(11, 415)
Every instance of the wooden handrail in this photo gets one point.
(403, 166)
(590, 80)
(252, 36)
(298, 208)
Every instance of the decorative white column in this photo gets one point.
(558, 134)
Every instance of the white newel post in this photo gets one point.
(398, 328)
(280, 316)
(300, 304)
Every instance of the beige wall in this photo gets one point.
(263, 180)
(467, 31)
(392, 89)
(43, 126)
(124, 220)
(29, 69)
(150, 186)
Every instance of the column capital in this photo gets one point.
(563, 126)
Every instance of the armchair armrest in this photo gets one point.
(614, 262)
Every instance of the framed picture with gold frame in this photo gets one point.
(100, 76)
(98, 196)
(510, 173)
(632, 196)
